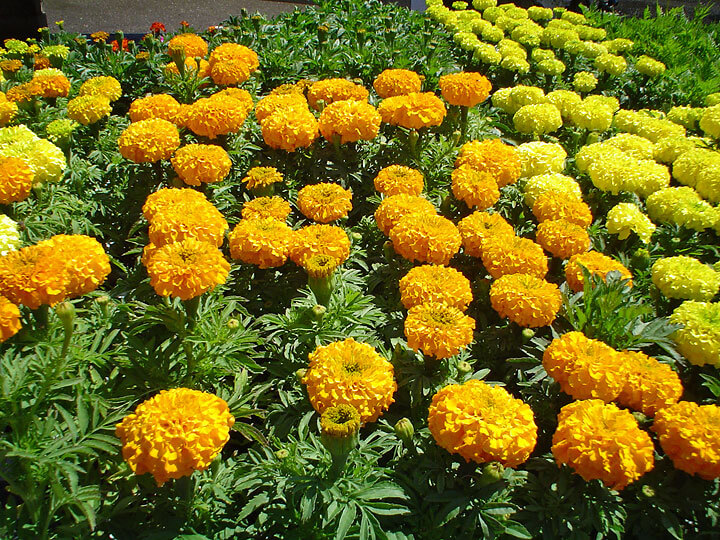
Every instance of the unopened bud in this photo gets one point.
(405, 431)
(318, 312)
(389, 250)
(66, 312)
(491, 473)
(355, 236)
(641, 258)
(300, 374)
(527, 334)
(456, 137)
(103, 300)
(322, 33)
(464, 367)
(233, 324)
(282, 454)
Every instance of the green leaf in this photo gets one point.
(515, 529)
(346, 520)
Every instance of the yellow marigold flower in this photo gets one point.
(316, 238)
(192, 44)
(482, 423)
(232, 64)
(591, 116)
(174, 433)
(197, 163)
(85, 261)
(290, 129)
(682, 206)
(564, 100)
(525, 299)
(585, 368)
(425, 238)
(624, 218)
(650, 385)
(351, 120)
(350, 373)
(9, 235)
(33, 276)
(332, 90)
(699, 339)
(320, 265)
(199, 221)
(274, 102)
(261, 241)
(710, 122)
(564, 186)
(88, 109)
(395, 207)
(601, 442)
(262, 177)
(597, 264)
(149, 140)
(538, 119)
(187, 269)
(266, 207)
(8, 111)
(397, 82)
(611, 64)
(503, 254)
(399, 179)
(686, 278)
(465, 89)
(413, 111)
(562, 238)
(649, 66)
(433, 283)
(187, 200)
(478, 189)
(22, 93)
(478, 227)
(540, 158)
(213, 116)
(438, 330)
(492, 156)
(16, 180)
(9, 319)
(324, 202)
(156, 106)
(341, 421)
(584, 81)
(552, 205)
(668, 149)
(50, 83)
(104, 86)
(12, 65)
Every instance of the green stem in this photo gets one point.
(463, 122)
(322, 288)
(191, 310)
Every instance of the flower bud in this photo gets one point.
(464, 367)
(527, 334)
(66, 312)
(282, 454)
(405, 431)
(300, 374)
(318, 312)
(233, 324)
(492, 472)
(355, 236)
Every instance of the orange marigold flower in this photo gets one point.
(562, 239)
(192, 44)
(22, 93)
(395, 207)
(494, 156)
(232, 64)
(187, 269)
(149, 140)
(438, 330)
(551, 205)
(104, 86)
(200, 221)
(413, 111)
(317, 238)
(690, 435)
(350, 373)
(197, 163)
(397, 82)
(324, 202)
(174, 433)
(331, 90)
(350, 120)
(425, 238)
(513, 255)
(477, 189)
(478, 227)
(243, 96)
(399, 179)
(89, 108)
(433, 283)
(650, 385)
(597, 264)
(275, 102)
(99, 36)
(264, 207)
(217, 115)
(157, 106)
(262, 177)
(41, 62)
(8, 110)
(33, 276)
(11, 65)
(601, 442)
(9, 319)
(320, 266)
(16, 180)
(189, 200)
(85, 261)
(264, 242)
(290, 129)
(585, 368)
(50, 83)
(466, 88)
(482, 423)
(525, 299)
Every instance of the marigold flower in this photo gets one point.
(478, 227)
(264, 207)
(650, 385)
(290, 129)
(199, 69)
(324, 202)
(438, 329)
(686, 278)
(316, 238)
(342, 421)
(319, 265)
(562, 239)
(512, 255)
(525, 299)
(104, 86)
(197, 163)
(261, 241)
(601, 442)
(478, 189)
(351, 120)
(649, 66)
(99, 36)
(274, 102)
(413, 111)
(243, 96)
(597, 264)
(33, 276)
(482, 423)
(399, 179)
(538, 119)
(611, 64)
(11, 65)
(350, 373)
(23, 93)
(434, 283)
(213, 116)
(540, 158)
(50, 83)
(682, 206)
(492, 156)
(232, 64)
(262, 177)
(553, 205)
(85, 262)
(511, 100)
(397, 82)
(591, 116)
(710, 122)
(149, 140)
(699, 339)
(187, 200)
(156, 106)
(564, 100)
(393, 208)
(187, 268)
(61, 129)
(425, 238)
(192, 44)
(89, 108)
(466, 88)
(45, 159)
(332, 90)
(9, 235)
(201, 221)
(174, 433)
(16, 180)
(9, 319)
(8, 110)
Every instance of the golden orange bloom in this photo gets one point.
(597, 264)
(290, 129)
(438, 330)
(465, 88)
(192, 44)
(16, 180)
(316, 238)
(8, 110)
(650, 385)
(275, 102)
(399, 179)
(525, 299)
(478, 227)
(89, 108)
(350, 120)
(213, 116)
(156, 106)
(562, 239)
(9, 319)
(201, 221)
(425, 238)
(50, 83)
(477, 189)
(232, 64)
(332, 90)
(148, 141)
(413, 111)
(198, 163)
(85, 261)
(104, 86)
(186, 199)
(33, 276)
(264, 242)
(11, 65)
(319, 265)
(494, 156)
(433, 283)
(243, 96)
(324, 202)
(397, 82)
(395, 207)
(263, 207)
(513, 255)
(551, 205)
(262, 177)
